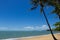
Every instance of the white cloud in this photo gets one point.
(43, 27)
(28, 28)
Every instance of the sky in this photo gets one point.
(15, 15)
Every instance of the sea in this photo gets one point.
(17, 34)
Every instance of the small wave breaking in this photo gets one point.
(8, 39)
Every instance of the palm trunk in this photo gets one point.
(59, 16)
(49, 25)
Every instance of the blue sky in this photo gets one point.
(16, 15)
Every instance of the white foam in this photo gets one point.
(9, 39)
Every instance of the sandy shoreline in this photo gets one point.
(40, 37)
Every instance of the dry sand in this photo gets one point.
(44, 37)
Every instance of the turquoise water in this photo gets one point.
(16, 34)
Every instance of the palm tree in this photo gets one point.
(42, 3)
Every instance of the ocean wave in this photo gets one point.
(8, 39)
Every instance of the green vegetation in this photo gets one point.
(57, 29)
(57, 25)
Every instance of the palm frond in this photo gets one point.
(34, 7)
(41, 10)
(57, 24)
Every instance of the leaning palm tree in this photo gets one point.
(42, 3)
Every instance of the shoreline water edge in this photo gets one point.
(27, 37)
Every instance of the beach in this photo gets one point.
(37, 37)
(43, 37)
